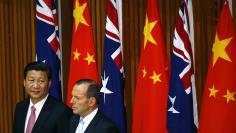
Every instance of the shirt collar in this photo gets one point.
(39, 105)
(87, 119)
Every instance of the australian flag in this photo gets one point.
(112, 87)
(182, 113)
(47, 42)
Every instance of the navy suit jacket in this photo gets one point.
(99, 124)
(53, 118)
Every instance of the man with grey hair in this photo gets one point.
(87, 118)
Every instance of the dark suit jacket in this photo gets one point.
(99, 124)
(53, 118)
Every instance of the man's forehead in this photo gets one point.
(34, 72)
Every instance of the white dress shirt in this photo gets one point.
(87, 120)
(38, 106)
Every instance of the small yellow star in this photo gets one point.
(229, 96)
(144, 72)
(78, 14)
(213, 91)
(155, 77)
(218, 49)
(147, 32)
(166, 68)
(76, 55)
(89, 58)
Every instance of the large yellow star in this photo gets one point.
(155, 77)
(144, 72)
(213, 91)
(229, 96)
(78, 14)
(147, 32)
(76, 55)
(218, 49)
(89, 58)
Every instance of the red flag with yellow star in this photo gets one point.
(218, 113)
(150, 104)
(83, 62)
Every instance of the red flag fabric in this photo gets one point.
(152, 86)
(83, 57)
(218, 113)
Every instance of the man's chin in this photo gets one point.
(75, 111)
(36, 98)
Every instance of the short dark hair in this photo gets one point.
(93, 90)
(38, 66)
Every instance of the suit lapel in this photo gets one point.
(23, 114)
(74, 123)
(43, 115)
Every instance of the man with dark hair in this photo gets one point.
(87, 118)
(40, 113)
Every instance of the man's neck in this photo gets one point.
(88, 112)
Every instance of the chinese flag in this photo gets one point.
(150, 106)
(218, 113)
(83, 62)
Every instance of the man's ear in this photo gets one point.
(49, 83)
(92, 101)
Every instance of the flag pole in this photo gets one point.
(231, 6)
(60, 41)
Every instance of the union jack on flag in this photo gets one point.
(182, 111)
(47, 42)
(112, 88)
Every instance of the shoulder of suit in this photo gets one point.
(58, 104)
(23, 102)
(107, 121)
(105, 118)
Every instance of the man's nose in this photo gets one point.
(71, 100)
(36, 84)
